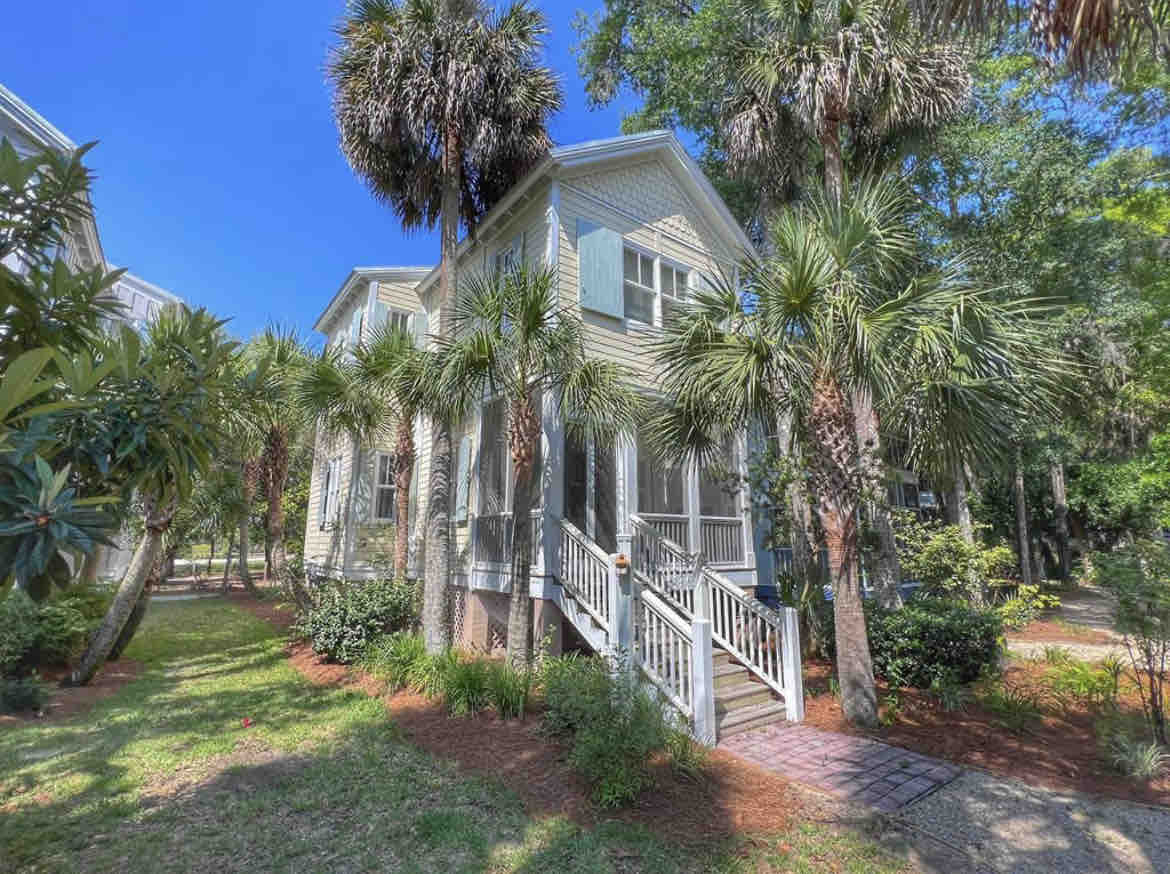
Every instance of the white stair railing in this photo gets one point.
(665, 566)
(585, 573)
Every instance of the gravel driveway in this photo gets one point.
(1006, 826)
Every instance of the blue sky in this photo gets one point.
(218, 171)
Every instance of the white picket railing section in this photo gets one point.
(752, 632)
(672, 526)
(721, 539)
(585, 573)
(665, 650)
(667, 567)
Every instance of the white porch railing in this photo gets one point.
(672, 526)
(763, 640)
(721, 539)
(676, 657)
(585, 573)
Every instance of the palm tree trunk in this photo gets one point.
(524, 439)
(248, 480)
(438, 533)
(834, 460)
(887, 570)
(1060, 505)
(126, 598)
(227, 561)
(830, 137)
(962, 510)
(403, 470)
(210, 553)
(804, 569)
(276, 474)
(1022, 522)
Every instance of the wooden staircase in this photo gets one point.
(742, 702)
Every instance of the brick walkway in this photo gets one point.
(855, 768)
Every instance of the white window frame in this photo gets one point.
(659, 261)
(330, 493)
(380, 487)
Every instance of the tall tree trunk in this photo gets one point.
(248, 479)
(830, 137)
(267, 551)
(887, 568)
(403, 471)
(1060, 505)
(805, 568)
(276, 475)
(1022, 539)
(524, 440)
(962, 509)
(438, 533)
(210, 553)
(227, 561)
(89, 570)
(127, 596)
(834, 463)
(139, 612)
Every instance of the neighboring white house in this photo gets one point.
(632, 227)
(29, 133)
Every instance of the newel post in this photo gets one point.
(790, 663)
(703, 681)
(621, 608)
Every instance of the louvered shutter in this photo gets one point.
(599, 253)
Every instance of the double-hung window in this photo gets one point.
(385, 506)
(673, 284)
(638, 272)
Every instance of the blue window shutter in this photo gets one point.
(599, 253)
(463, 479)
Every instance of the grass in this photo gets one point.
(163, 776)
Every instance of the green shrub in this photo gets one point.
(509, 690)
(61, 634)
(615, 724)
(91, 600)
(686, 756)
(428, 674)
(1015, 708)
(945, 562)
(19, 630)
(952, 696)
(23, 693)
(347, 617)
(1143, 760)
(466, 687)
(1028, 602)
(1094, 687)
(928, 638)
(392, 657)
(33, 634)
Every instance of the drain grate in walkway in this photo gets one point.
(856, 768)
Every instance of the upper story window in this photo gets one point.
(385, 505)
(673, 282)
(638, 272)
(509, 257)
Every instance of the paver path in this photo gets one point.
(855, 768)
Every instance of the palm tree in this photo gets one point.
(392, 366)
(838, 309)
(172, 414)
(830, 72)
(441, 107)
(512, 340)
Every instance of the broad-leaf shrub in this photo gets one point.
(31, 634)
(1024, 606)
(346, 617)
(928, 639)
(947, 564)
(23, 693)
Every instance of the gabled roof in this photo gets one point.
(662, 143)
(356, 278)
(34, 125)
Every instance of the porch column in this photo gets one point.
(552, 466)
(694, 523)
(626, 477)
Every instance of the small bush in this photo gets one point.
(18, 694)
(1015, 708)
(1028, 602)
(428, 674)
(19, 629)
(945, 562)
(951, 695)
(927, 638)
(346, 618)
(466, 687)
(91, 600)
(392, 657)
(34, 634)
(509, 690)
(1142, 760)
(686, 756)
(572, 688)
(1093, 687)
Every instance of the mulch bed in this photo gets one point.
(1060, 750)
(1046, 631)
(732, 798)
(65, 702)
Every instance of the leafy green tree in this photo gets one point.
(513, 340)
(164, 421)
(840, 307)
(442, 107)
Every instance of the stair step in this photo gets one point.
(721, 657)
(729, 675)
(742, 695)
(744, 718)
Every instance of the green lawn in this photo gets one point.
(163, 776)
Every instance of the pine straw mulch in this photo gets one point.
(732, 798)
(1049, 631)
(1060, 750)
